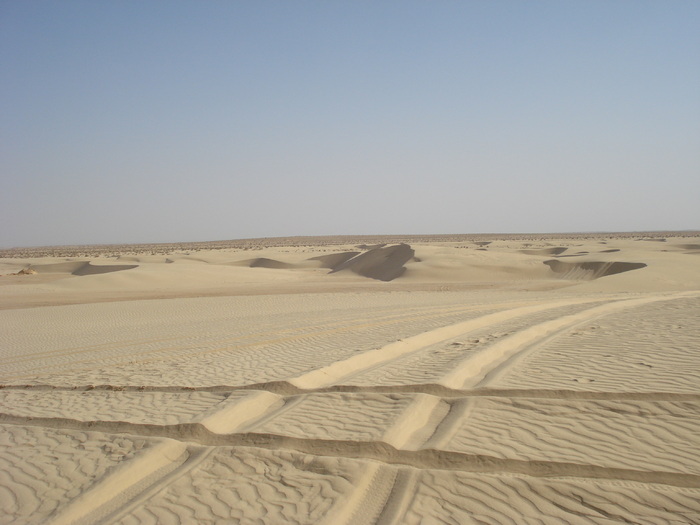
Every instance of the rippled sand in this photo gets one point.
(478, 384)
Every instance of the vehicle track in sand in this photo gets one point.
(284, 335)
(176, 438)
(392, 440)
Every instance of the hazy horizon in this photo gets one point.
(397, 235)
(184, 121)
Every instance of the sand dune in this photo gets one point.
(591, 269)
(81, 268)
(545, 251)
(383, 264)
(264, 262)
(473, 384)
(334, 260)
(377, 262)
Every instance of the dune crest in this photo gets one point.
(81, 268)
(380, 263)
(545, 251)
(334, 260)
(383, 264)
(264, 262)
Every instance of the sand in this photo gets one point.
(390, 380)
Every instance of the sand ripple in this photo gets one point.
(385, 408)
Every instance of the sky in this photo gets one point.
(167, 121)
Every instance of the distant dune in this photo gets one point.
(380, 263)
(383, 264)
(545, 251)
(591, 269)
(81, 268)
(264, 262)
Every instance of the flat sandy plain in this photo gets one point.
(496, 379)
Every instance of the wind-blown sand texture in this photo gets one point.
(390, 380)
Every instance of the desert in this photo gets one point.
(349, 263)
(361, 380)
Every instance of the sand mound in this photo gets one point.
(64, 267)
(81, 268)
(383, 264)
(591, 269)
(545, 251)
(264, 262)
(577, 254)
(90, 269)
(26, 271)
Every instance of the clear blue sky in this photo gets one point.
(163, 121)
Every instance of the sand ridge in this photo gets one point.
(476, 385)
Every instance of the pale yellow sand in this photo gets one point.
(246, 383)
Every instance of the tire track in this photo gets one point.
(163, 457)
(458, 411)
(423, 459)
(473, 371)
(417, 423)
(355, 365)
(197, 455)
(400, 498)
(286, 336)
(285, 389)
(367, 498)
(238, 413)
(340, 323)
(414, 442)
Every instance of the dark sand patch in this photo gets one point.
(90, 269)
(591, 269)
(81, 268)
(264, 262)
(577, 254)
(383, 264)
(545, 251)
(333, 260)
